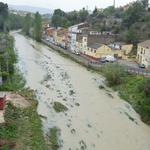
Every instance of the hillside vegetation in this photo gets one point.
(131, 22)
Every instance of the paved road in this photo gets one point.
(130, 64)
(131, 67)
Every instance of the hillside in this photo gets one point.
(31, 9)
(130, 22)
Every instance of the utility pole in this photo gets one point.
(114, 3)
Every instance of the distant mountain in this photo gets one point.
(30, 9)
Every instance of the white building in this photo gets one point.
(72, 35)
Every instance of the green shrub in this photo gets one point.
(144, 85)
(54, 138)
(59, 107)
(147, 88)
(114, 74)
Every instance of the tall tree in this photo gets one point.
(3, 15)
(145, 3)
(83, 15)
(58, 18)
(133, 14)
(38, 27)
(27, 24)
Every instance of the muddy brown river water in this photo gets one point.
(97, 119)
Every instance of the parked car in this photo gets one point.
(103, 60)
(141, 66)
(47, 40)
(108, 58)
(76, 52)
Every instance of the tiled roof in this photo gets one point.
(145, 44)
(95, 45)
(102, 39)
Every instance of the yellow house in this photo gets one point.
(143, 53)
(122, 48)
(127, 48)
(60, 37)
(98, 50)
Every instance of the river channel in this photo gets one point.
(97, 119)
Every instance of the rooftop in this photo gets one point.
(102, 39)
(145, 44)
(95, 45)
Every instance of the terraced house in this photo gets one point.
(61, 37)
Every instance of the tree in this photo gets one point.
(114, 74)
(27, 24)
(3, 15)
(131, 36)
(82, 15)
(38, 27)
(62, 19)
(109, 11)
(133, 14)
(15, 21)
(145, 3)
(58, 17)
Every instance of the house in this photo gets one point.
(95, 46)
(97, 50)
(61, 37)
(73, 31)
(124, 48)
(49, 34)
(79, 43)
(143, 53)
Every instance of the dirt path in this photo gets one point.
(16, 99)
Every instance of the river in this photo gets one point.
(97, 119)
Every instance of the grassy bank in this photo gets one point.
(23, 128)
(132, 88)
(52, 139)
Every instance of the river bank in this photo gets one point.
(21, 126)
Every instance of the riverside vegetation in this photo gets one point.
(132, 88)
(23, 127)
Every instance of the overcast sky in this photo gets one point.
(68, 5)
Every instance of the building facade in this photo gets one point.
(143, 53)
(73, 31)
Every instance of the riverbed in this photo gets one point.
(97, 119)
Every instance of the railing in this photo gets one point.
(139, 71)
(97, 64)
